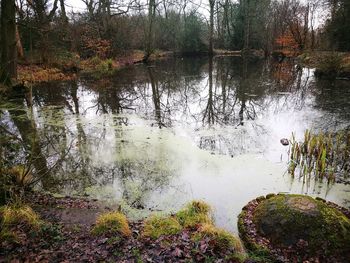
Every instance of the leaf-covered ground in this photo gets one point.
(65, 236)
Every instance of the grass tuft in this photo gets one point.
(112, 222)
(221, 239)
(195, 214)
(99, 67)
(15, 215)
(157, 226)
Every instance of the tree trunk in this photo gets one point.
(246, 25)
(306, 26)
(20, 52)
(211, 27)
(334, 6)
(312, 18)
(63, 12)
(8, 41)
(149, 37)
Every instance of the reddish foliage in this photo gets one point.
(34, 73)
(91, 45)
(287, 44)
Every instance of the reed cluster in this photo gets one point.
(320, 156)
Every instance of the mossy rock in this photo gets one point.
(299, 223)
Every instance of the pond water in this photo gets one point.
(152, 138)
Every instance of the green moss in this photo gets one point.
(238, 258)
(260, 198)
(268, 196)
(241, 228)
(157, 226)
(113, 222)
(194, 214)
(285, 219)
(261, 256)
(257, 253)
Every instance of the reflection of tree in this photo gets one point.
(242, 88)
(31, 142)
(114, 100)
(138, 173)
(224, 73)
(216, 102)
(290, 79)
(209, 109)
(285, 74)
(233, 97)
(66, 145)
(83, 158)
(155, 98)
(332, 97)
(74, 95)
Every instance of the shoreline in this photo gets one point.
(35, 73)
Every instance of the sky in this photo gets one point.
(79, 6)
(76, 5)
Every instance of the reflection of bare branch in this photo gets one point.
(43, 173)
(12, 135)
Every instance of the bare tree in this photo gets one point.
(299, 22)
(43, 17)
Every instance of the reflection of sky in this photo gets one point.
(127, 156)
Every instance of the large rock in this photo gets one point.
(297, 223)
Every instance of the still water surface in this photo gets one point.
(154, 137)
